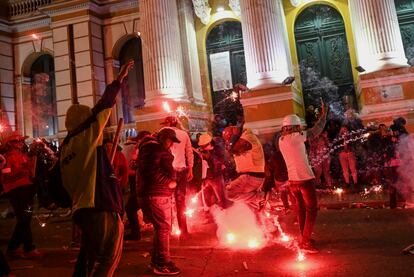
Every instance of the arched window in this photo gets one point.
(43, 96)
(133, 91)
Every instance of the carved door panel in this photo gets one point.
(405, 13)
(324, 60)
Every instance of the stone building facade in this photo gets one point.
(190, 53)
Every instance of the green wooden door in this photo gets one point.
(405, 13)
(227, 37)
(324, 60)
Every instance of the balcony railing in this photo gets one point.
(22, 7)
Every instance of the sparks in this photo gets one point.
(35, 36)
(166, 107)
(194, 199)
(189, 212)
(285, 238)
(339, 191)
(43, 224)
(180, 111)
(366, 135)
(233, 96)
(301, 256)
(252, 243)
(231, 238)
(177, 232)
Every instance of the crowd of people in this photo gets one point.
(227, 165)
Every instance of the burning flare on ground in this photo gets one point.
(237, 227)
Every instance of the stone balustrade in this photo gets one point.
(23, 7)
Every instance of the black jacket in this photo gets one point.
(155, 171)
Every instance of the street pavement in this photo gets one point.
(364, 241)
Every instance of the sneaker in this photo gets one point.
(167, 269)
(308, 247)
(33, 254)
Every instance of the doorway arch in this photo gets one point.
(227, 67)
(324, 59)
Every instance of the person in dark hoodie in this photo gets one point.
(88, 177)
(156, 182)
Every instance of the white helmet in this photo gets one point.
(291, 120)
(204, 139)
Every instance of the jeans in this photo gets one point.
(131, 209)
(21, 199)
(246, 189)
(180, 197)
(307, 206)
(101, 246)
(348, 162)
(158, 211)
(213, 192)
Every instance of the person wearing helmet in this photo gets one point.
(300, 174)
(249, 158)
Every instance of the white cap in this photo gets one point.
(204, 139)
(291, 120)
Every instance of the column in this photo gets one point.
(264, 43)
(377, 34)
(162, 56)
(7, 99)
(190, 54)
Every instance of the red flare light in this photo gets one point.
(301, 257)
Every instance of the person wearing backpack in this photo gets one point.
(89, 179)
(17, 179)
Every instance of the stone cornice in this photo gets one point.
(277, 97)
(390, 109)
(387, 80)
(96, 6)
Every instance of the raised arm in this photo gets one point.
(317, 129)
(111, 91)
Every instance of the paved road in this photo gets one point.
(353, 242)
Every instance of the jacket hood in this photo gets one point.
(75, 115)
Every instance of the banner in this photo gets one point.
(221, 71)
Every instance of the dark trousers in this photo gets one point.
(391, 176)
(4, 266)
(213, 192)
(131, 209)
(307, 206)
(21, 200)
(101, 246)
(158, 211)
(180, 194)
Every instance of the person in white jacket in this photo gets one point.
(300, 174)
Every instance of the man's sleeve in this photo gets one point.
(189, 152)
(108, 99)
